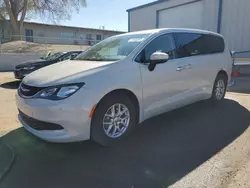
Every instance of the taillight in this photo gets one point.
(235, 73)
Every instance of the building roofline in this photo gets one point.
(93, 29)
(146, 5)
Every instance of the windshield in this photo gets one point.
(54, 56)
(113, 49)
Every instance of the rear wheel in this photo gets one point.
(220, 87)
(114, 118)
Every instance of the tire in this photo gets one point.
(98, 128)
(220, 88)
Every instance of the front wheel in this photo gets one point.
(114, 118)
(220, 87)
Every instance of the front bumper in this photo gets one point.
(20, 74)
(68, 113)
(39, 125)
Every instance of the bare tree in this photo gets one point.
(50, 10)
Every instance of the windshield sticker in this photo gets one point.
(136, 40)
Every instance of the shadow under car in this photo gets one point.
(159, 152)
(11, 85)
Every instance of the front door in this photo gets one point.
(164, 88)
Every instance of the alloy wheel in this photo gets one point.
(220, 89)
(116, 120)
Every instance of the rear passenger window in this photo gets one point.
(187, 45)
(192, 44)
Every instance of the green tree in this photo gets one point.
(50, 10)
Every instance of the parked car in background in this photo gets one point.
(104, 92)
(26, 68)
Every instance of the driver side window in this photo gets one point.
(67, 56)
(164, 43)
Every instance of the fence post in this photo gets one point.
(0, 45)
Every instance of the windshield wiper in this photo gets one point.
(90, 59)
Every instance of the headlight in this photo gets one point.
(47, 92)
(58, 92)
(29, 68)
(67, 91)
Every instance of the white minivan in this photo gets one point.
(122, 81)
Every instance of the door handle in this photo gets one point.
(179, 68)
(189, 66)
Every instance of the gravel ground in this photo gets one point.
(201, 145)
(8, 111)
(230, 168)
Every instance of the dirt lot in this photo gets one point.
(201, 145)
(30, 47)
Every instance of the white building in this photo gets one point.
(56, 34)
(228, 17)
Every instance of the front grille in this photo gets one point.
(28, 91)
(39, 125)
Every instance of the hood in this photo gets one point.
(32, 62)
(64, 72)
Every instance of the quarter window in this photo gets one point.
(192, 44)
(214, 44)
(164, 43)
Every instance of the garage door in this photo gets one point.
(185, 16)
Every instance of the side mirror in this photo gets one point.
(157, 58)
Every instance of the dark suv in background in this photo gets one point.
(25, 68)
